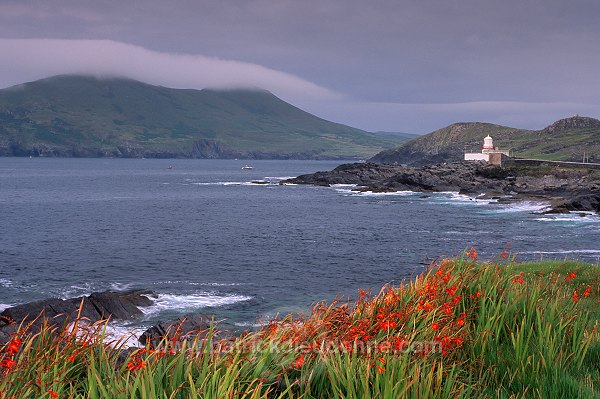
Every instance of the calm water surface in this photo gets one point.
(205, 238)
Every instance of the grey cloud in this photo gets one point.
(30, 59)
(383, 51)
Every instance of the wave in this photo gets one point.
(392, 193)
(257, 182)
(193, 283)
(87, 288)
(279, 177)
(190, 303)
(348, 189)
(454, 197)
(577, 217)
(6, 283)
(5, 306)
(522, 206)
(248, 324)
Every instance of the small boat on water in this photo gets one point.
(246, 167)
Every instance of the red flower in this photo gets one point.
(504, 254)
(472, 253)
(570, 277)
(135, 364)
(8, 364)
(452, 290)
(386, 325)
(587, 292)
(14, 345)
(447, 308)
(299, 362)
(435, 326)
(575, 296)
(52, 393)
(425, 305)
(380, 370)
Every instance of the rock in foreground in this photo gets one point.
(118, 305)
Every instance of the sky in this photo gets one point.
(404, 66)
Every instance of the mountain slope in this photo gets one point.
(86, 116)
(566, 139)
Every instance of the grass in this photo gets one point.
(463, 329)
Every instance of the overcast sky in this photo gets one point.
(411, 66)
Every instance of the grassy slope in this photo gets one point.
(566, 141)
(505, 330)
(95, 114)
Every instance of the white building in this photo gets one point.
(487, 150)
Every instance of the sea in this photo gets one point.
(208, 236)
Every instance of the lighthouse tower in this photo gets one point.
(488, 144)
(489, 153)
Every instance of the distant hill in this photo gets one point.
(90, 117)
(566, 139)
(401, 135)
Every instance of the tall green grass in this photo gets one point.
(462, 329)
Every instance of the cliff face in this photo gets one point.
(567, 139)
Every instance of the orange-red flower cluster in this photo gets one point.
(472, 253)
(519, 279)
(136, 364)
(12, 348)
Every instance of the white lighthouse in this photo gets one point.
(487, 151)
(488, 143)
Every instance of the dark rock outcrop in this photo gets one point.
(567, 189)
(118, 305)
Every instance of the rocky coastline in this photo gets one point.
(98, 306)
(566, 190)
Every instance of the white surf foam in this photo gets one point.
(191, 302)
(195, 283)
(247, 324)
(116, 334)
(392, 193)
(279, 177)
(348, 189)
(6, 283)
(4, 306)
(257, 182)
(454, 196)
(522, 206)
(577, 217)
(219, 183)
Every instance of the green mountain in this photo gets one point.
(86, 116)
(402, 135)
(567, 140)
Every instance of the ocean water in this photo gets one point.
(205, 236)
